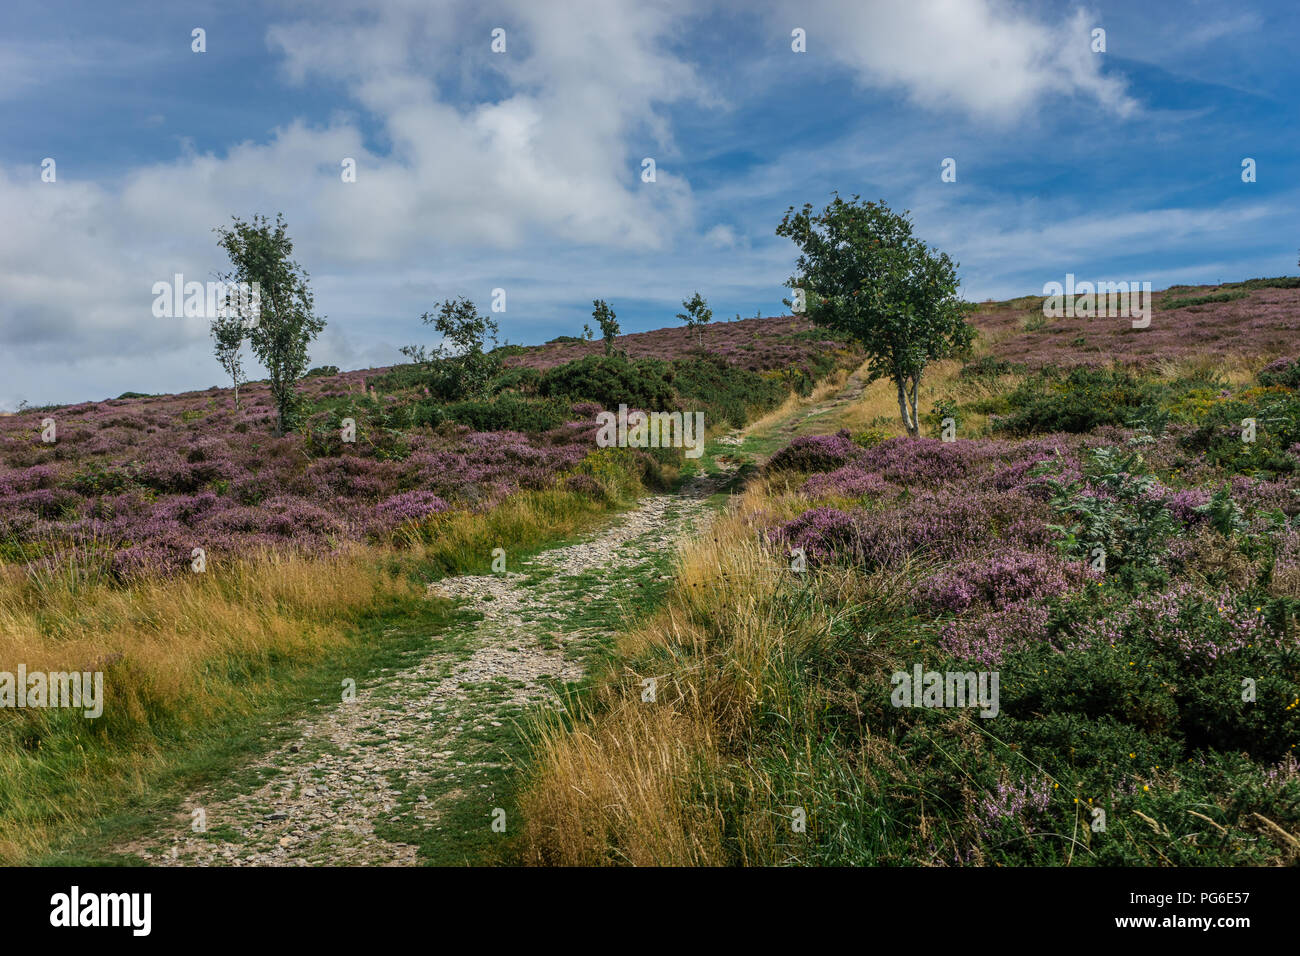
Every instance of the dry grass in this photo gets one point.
(637, 781)
(187, 657)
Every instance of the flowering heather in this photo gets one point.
(1197, 625)
(1264, 323)
(755, 344)
(850, 481)
(923, 461)
(406, 507)
(987, 638)
(1014, 802)
(147, 480)
(1000, 579)
(816, 453)
(824, 534)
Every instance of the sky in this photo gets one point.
(523, 169)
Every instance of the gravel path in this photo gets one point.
(411, 742)
(419, 741)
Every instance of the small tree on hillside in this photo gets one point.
(608, 322)
(228, 333)
(861, 271)
(697, 314)
(467, 367)
(286, 321)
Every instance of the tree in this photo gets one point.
(697, 314)
(604, 315)
(861, 271)
(466, 369)
(286, 320)
(228, 333)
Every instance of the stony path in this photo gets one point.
(414, 740)
(363, 781)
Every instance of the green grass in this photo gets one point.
(388, 636)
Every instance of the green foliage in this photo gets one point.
(523, 379)
(989, 367)
(1287, 377)
(871, 436)
(1181, 303)
(725, 393)
(1084, 399)
(458, 368)
(286, 322)
(862, 271)
(321, 370)
(1219, 434)
(611, 381)
(607, 321)
(1121, 516)
(510, 413)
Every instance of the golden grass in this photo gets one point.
(637, 781)
(878, 404)
(186, 655)
(179, 655)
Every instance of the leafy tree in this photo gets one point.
(286, 321)
(697, 313)
(605, 317)
(229, 330)
(861, 271)
(465, 368)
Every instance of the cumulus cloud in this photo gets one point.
(985, 58)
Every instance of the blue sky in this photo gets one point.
(521, 170)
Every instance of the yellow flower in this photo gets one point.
(1145, 787)
(1131, 756)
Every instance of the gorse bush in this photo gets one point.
(726, 393)
(1284, 372)
(612, 380)
(1081, 400)
(511, 413)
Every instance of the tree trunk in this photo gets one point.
(903, 406)
(916, 421)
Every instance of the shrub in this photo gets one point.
(612, 380)
(1114, 509)
(815, 453)
(1284, 372)
(524, 380)
(723, 392)
(510, 413)
(1084, 399)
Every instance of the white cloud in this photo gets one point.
(986, 58)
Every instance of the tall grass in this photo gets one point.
(672, 780)
(187, 658)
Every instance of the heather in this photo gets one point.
(1119, 542)
(1262, 323)
(140, 482)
